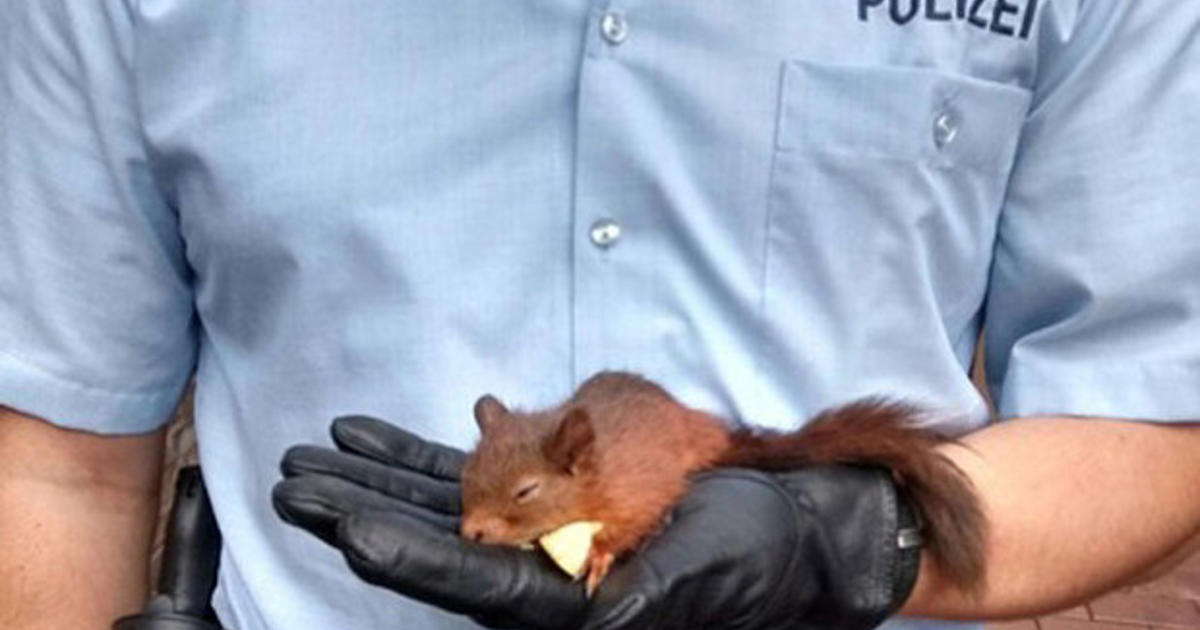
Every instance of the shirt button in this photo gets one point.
(605, 233)
(945, 128)
(614, 28)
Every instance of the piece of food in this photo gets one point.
(570, 545)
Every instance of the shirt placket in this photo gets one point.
(605, 238)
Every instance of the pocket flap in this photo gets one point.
(900, 113)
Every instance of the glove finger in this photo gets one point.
(437, 495)
(389, 444)
(630, 609)
(318, 503)
(418, 560)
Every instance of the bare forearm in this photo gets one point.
(1076, 506)
(77, 514)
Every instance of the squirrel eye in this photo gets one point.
(527, 490)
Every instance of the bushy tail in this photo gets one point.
(884, 433)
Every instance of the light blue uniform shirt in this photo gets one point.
(770, 206)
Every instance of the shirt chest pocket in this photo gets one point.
(888, 180)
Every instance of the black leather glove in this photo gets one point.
(814, 548)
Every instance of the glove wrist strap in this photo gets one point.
(909, 542)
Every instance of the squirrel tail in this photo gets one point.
(885, 433)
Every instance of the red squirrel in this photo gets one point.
(620, 450)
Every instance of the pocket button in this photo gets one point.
(945, 128)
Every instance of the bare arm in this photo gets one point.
(77, 514)
(1077, 507)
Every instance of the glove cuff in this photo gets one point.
(869, 543)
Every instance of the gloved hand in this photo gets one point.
(813, 548)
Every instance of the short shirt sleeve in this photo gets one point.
(96, 319)
(1094, 301)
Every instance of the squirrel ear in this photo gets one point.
(570, 446)
(489, 412)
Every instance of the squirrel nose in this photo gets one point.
(474, 529)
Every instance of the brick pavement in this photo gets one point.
(1170, 603)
